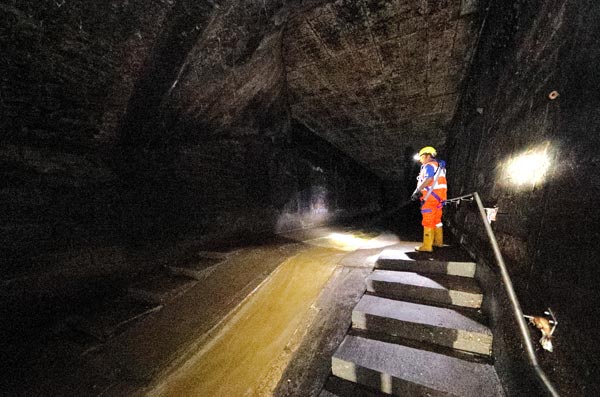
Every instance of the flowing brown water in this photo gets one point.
(248, 355)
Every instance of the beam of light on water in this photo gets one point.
(352, 241)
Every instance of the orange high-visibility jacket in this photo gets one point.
(440, 187)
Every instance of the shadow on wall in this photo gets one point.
(315, 207)
(307, 208)
(234, 187)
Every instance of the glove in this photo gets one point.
(442, 164)
(416, 196)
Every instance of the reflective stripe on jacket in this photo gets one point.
(440, 185)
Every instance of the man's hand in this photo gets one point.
(416, 196)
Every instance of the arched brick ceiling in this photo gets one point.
(374, 77)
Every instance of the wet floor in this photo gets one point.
(251, 350)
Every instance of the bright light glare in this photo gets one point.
(416, 157)
(347, 240)
(529, 168)
(352, 242)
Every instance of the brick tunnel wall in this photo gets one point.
(67, 74)
(545, 229)
(102, 152)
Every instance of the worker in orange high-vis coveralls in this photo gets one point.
(432, 191)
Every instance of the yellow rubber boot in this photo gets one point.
(438, 237)
(427, 240)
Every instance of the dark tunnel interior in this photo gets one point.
(130, 128)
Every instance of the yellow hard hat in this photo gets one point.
(428, 150)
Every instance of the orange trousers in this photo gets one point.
(431, 210)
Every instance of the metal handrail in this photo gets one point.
(511, 294)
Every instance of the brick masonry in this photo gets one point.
(128, 123)
(544, 229)
(135, 122)
(378, 77)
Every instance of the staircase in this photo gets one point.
(417, 331)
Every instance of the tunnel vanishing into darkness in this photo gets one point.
(133, 129)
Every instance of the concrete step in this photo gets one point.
(338, 387)
(436, 325)
(436, 288)
(197, 268)
(160, 289)
(404, 371)
(462, 269)
(111, 318)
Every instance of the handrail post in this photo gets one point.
(517, 311)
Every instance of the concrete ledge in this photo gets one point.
(400, 370)
(462, 269)
(452, 290)
(197, 269)
(160, 289)
(424, 323)
(112, 318)
(338, 387)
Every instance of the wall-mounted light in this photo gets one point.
(529, 168)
